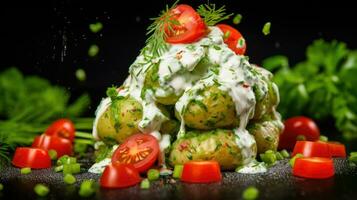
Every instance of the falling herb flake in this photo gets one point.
(93, 50)
(266, 28)
(96, 27)
(81, 74)
(237, 19)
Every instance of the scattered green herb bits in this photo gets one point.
(71, 168)
(69, 179)
(145, 184)
(237, 19)
(323, 138)
(300, 138)
(177, 171)
(41, 190)
(87, 188)
(153, 174)
(266, 28)
(25, 170)
(59, 168)
(66, 160)
(353, 157)
(93, 50)
(292, 160)
(81, 75)
(250, 193)
(269, 157)
(285, 153)
(53, 154)
(96, 27)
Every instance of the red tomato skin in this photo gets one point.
(312, 149)
(34, 158)
(61, 145)
(337, 149)
(298, 126)
(314, 168)
(62, 128)
(191, 21)
(118, 175)
(233, 39)
(148, 161)
(201, 172)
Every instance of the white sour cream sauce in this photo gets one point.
(176, 76)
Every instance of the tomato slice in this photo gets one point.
(337, 149)
(312, 149)
(61, 145)
(316, 168)
(31, 157)
(298, 126)
(233, 38)
(117, 175)
(191, 26)
(201, 172)
(140, 149)
(62, 128)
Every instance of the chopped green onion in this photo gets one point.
(237, 19)
(93, 50)
(145, 184)
(1, 186)
(53, 154)
(279, 156)
(178, 171)
(226, 35)
(66, 160)
(266, 28)
(292, 160)
(41, 190)
(353, 157)
(250, 193)
(59, 168)
(353, 153)
(25, 170)
(69, 179)
(323, 138)
(300, 138)
(87, 188)
(153, 174)
(96, 27)
(268, 157)
(71, 168)
(81, 74)
(285, 153)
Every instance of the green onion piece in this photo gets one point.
(292, 160)
(41, 190)
(226, 35)
(278, 155)
(266, 28)
(237, 19)
(96, 27)
(87, 188)
(285, 153)
(59, 168)
(353, 153)
(250, 193)
(66, 160)
(353, 157)
(69, 179)
(323, 138)
(71, 168)
(93, 50)
(145, 184)
(153, 174)
(25, 170)
(81, 74)
(300, 138)
(80, 147)
(53, 154)
(1, 186)
(268, 157)
(177, 171)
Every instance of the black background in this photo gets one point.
(51, 38)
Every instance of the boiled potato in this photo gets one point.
(219, 145)
(215, 110)
(129, 113)
(266, 133)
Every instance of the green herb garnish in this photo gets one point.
(153, 174)
(69, 179)
(25, 170)
(87, 188)
(93, 50)
(237, 19)
(266, 28)
(250, 193)
(96, 27)
(210, 15)
(41, 190)
(145, 184)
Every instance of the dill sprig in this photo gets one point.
(211, 15)
(156, 43)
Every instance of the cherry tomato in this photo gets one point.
(316, 168)
(117, 175)
(191, 26)
(201, 172)
(62, 128)
(296, 127)
(31, 157)
(140, 149)
(61, 145)
(233, 38)
(312, 149)
(337, 149)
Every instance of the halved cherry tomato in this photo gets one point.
(233, 38)
(298, 126)
(31, 157)
(316, 168)
(140, 149)
(201, 172)
(312, 149)
(61, 145)
(118, 175)
(337, 149)
(191, 26)
(62, 128)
